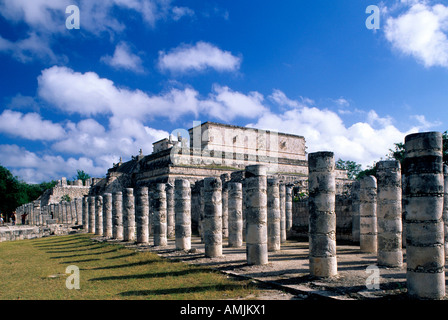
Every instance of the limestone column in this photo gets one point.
(255, 202)
(160, 224)
(355, 211)
(182, 211)
(235, 214)
(282, 192)
(117, 215)
(91, 228)
(78, 210)
(85, 213)
(141, 215)
(445, 208)
(107, 215)
(273, 195)
(322, 216)
(367, 214)
(288, 207)
(169, 189)
(423, 192)
(225, 204)
(99, 216)
(213, 217)
(129, 215)
(389, 213)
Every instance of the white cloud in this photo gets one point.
(281, 99)
(87, 94)
(30, 126)
(363, 142)
(33, 168)
(421, 32)
(123, 58)
(199, 57)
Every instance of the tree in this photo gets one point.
(14, 193)
(81, 175)
(353, 168)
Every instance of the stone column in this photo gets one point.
(160, 224)
(423, 192)
(37, 213)
(235, 214)
(225, 204)
(99, 216)
(389, 213)
(169, 189)
(213, 217)
(274, 232)
(128, 215)
(288, 207)
(85, 213)
(182, 210)
(107, 215)
(322, 215)
(78, 206)
(355, 211)
(91, 228)
(117, 215)
(255, 202)
(445, 208)
(282, 192)
(141, 215)
(367, 214)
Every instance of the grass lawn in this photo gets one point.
(36, 269)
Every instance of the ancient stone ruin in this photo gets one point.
(243, 187)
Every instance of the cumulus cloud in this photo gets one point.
(30, 126)
(34, 168)
(421, 32)
(87, 94)
(324, 130)
(123, 58)
(198, 57)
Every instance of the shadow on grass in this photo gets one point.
(153, 275)
(135, 264)
(186, 290)
(86, 254)
(86, 248)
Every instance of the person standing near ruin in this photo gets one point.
(24, 218)
(13, 218)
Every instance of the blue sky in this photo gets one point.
(136, 70)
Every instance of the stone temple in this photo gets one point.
(213, 150)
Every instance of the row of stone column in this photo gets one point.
(67, 212)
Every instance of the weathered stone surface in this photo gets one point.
(389, 211)
(91, 213)
(213, 217)
(322, 217)
(368, 217)
(423, 204)
(107, 215)
(129, 215)
(99, 215)
(142, 215)
(255, 202)
(117, 215)
(160, 216)
(182, 210)
(169, 189)
(274, 232)
(235, 214)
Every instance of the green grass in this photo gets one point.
(35, 269)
